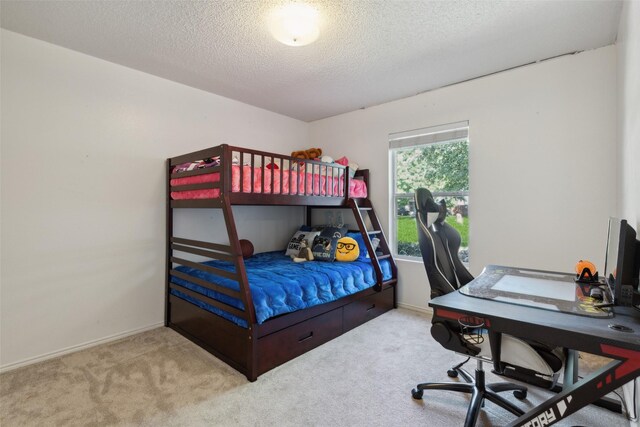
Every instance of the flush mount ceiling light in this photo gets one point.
(295, 24)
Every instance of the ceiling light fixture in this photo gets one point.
(295, 24)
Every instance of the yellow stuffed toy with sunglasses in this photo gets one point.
(347, 250)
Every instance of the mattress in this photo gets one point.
(279, 285)
(285, 182)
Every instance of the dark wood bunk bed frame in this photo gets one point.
(261, 347)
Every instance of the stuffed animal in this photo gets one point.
(326, 159)
(343, 161)
(311, 153)
(353, 167)
(305, 253)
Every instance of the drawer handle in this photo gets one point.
(307, 337)
(372, 307)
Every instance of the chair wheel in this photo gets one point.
(520, 394)
(416, 394)
(452, 373)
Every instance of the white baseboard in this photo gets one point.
(93, 343)
(74, 348)
(426, 310)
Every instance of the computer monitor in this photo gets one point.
(622, 263)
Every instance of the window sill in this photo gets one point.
(408, 259)
(413, 260)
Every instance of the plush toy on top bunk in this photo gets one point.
(311, 153)
(316, 154)
(344, 161)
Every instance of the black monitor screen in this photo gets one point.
(622, 262)
(611, 256)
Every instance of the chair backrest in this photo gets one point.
(439, 244)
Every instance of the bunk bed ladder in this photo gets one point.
(241, 274)
(382, 251)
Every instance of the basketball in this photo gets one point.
(246, 247)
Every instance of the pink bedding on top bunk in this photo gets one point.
(291, 181)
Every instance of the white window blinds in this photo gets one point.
(431, 135)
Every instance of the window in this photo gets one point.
(435, 158)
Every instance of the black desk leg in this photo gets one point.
(570, 367)
(495, 341)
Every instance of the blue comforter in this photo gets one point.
(279, 285)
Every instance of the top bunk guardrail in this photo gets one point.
(242, 176)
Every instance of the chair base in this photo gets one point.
(479, 392)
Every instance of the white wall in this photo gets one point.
(82, 174)
(83, 143)
(542, 160)
(628, 46)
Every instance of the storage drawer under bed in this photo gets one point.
(280, 347)
(229, 341)
(364, 309)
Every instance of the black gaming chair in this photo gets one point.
(527, 361)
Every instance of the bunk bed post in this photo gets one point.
(364, 173)
(347, 196)
(245, 292)
(225, 175)
(308, 210)
(169, 234)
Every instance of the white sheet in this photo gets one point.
(546, 288)
(527, 302)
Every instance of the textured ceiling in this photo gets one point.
(369, 52)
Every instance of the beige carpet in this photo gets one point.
(158, 378)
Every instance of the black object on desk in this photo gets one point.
(615, 336)
(597, 294)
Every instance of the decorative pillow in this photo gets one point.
(347, 249)
(324, 245)
(364, 254)
(304, 233)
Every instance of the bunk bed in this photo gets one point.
(260, 312)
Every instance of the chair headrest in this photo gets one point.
(427, 208)
(443, 211)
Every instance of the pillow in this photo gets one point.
(199, 164)
(324, 245)
(304, 233)
(347, 249)
(364, 254)
(355, 235)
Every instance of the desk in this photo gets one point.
(580, 333)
